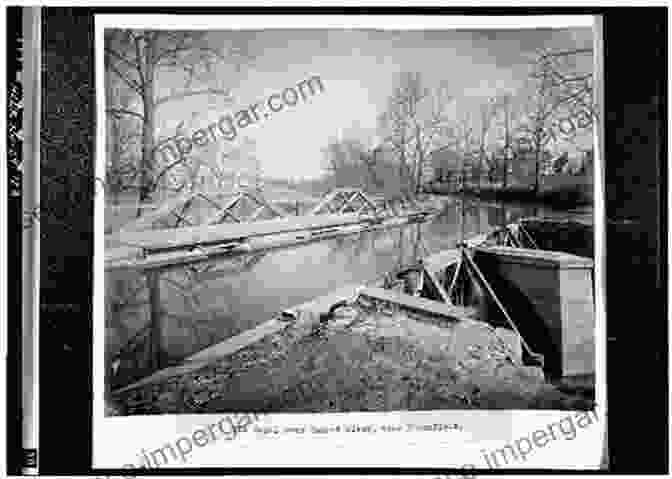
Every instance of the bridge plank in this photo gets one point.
(178, 237)
(455, 313)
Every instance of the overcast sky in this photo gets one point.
(358, 69)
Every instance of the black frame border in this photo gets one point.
(630, 80)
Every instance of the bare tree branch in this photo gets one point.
(138, 56)
(122, 111)
(120, 57)
(131, 83)
(187, 94)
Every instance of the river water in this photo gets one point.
(201, 304)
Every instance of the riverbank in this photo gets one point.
(556, 191)
(362, 360)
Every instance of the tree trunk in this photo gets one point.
(405, 176)
(418, 173)
(112, 148)
(401, 171)
(536, 169)
(115, 180)
(147, 161)
(506, 169)
(481, 169)
(418, 177)
(463, 179)
(507, 141)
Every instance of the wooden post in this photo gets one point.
(154, 348)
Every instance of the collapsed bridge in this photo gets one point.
(239, 227)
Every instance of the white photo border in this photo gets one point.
(120, 440)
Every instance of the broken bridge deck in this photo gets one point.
(158, 240)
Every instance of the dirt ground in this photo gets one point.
(364, 361)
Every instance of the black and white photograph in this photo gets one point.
(270, 240)
(350, 229)
(348, 220)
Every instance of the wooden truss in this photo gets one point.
(354, 200)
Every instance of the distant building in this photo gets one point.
(560, 164)
(587, 162)
(383, 152)
(524, 164)
(573, 162)
(444, 163)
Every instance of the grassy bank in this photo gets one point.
(365, 360)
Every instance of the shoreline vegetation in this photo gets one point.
(568, 195)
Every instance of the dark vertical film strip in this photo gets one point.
(30, 246)
(66, 225)
(635, 126)
(14, 92)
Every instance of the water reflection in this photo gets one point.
(158, 317)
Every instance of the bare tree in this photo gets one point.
(460, 135)
(138, 58)
(569, 74)
(536, 128)
(123, 140)
(488, 110)
(560, 103)
(383, 174)
(343, 160)
(506, 111)
(393, 123)
(464, 134)
(415, 122)
(350, 164)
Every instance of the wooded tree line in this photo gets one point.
(147, 70)
(555, 104)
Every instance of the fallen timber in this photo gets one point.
(145, 249)
(441, 268)
(232, 230)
